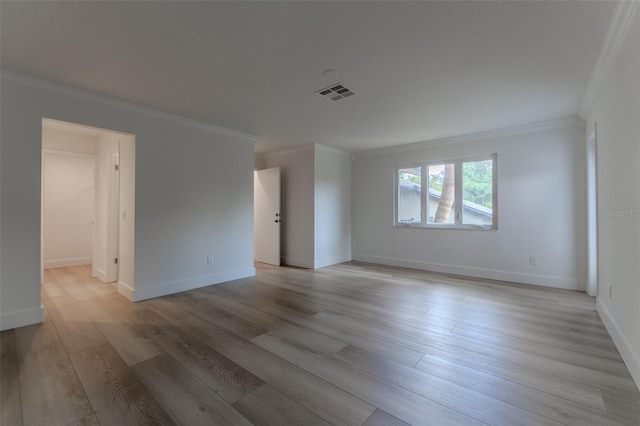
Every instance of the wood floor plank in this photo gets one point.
(132, 345)
(51, 289)
(82, 275)
(521, 353)
(266, 406)
(10, 398)
(581, 340)
(531, 304)
(553, 349)
(218, 372)
(186, 399)
(76, 330)
(527, 399)
(352, 343)
(333, 295)
(91, 420)
(50, 389)
(110, 319)
(276, 296)
(370, 335)
(343, 336)
(389, 315)
(115, 392)
(564, 369)
(168, 307)
(555, 385)
(222, 318)
(284, 324)
(325, 400)
(387, 328)
(403, 404)
(382, 418)
(75, 284)
(107, 308)
(494, 315)
(260, 290)
(626, 406)
(355, 300)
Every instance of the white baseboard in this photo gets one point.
(138, 294)
(491, 274)
(300, 263)
(9, 320)
(63, 263)
(126, 290)
(629, 355)
(101, 275)
(328, 261)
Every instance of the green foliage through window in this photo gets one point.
(477, 182)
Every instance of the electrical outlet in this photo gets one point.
(209, 260)
(610, 291)
(533, 260)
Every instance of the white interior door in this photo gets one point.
(266, 215)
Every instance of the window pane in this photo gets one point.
(477, 193)
(409, 195)
(441, 195)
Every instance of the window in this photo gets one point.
(458, 193)
(410, 195)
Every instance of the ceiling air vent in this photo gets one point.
(335, 92)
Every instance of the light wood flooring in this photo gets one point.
(351, 344)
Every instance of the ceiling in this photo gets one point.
(419, 70)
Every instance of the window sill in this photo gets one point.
(449, 227)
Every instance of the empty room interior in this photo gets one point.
(320, 213)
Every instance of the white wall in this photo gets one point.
(541, 208)
(316, 202)
(186, 205)
(297, 200)
(68, 204)
(616, 110)
(258, 161)
(332, 205)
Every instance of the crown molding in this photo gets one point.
(293, 150)
(334, 150)
(86, 95)
(308, 147)
(472, 137)
(616, 34)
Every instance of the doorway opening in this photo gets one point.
(88, 200)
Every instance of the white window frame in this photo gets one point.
(424, 190)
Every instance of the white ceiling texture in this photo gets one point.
(419, 70)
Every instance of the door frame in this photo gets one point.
(124, 209)
(592, 212)
(112, 219)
